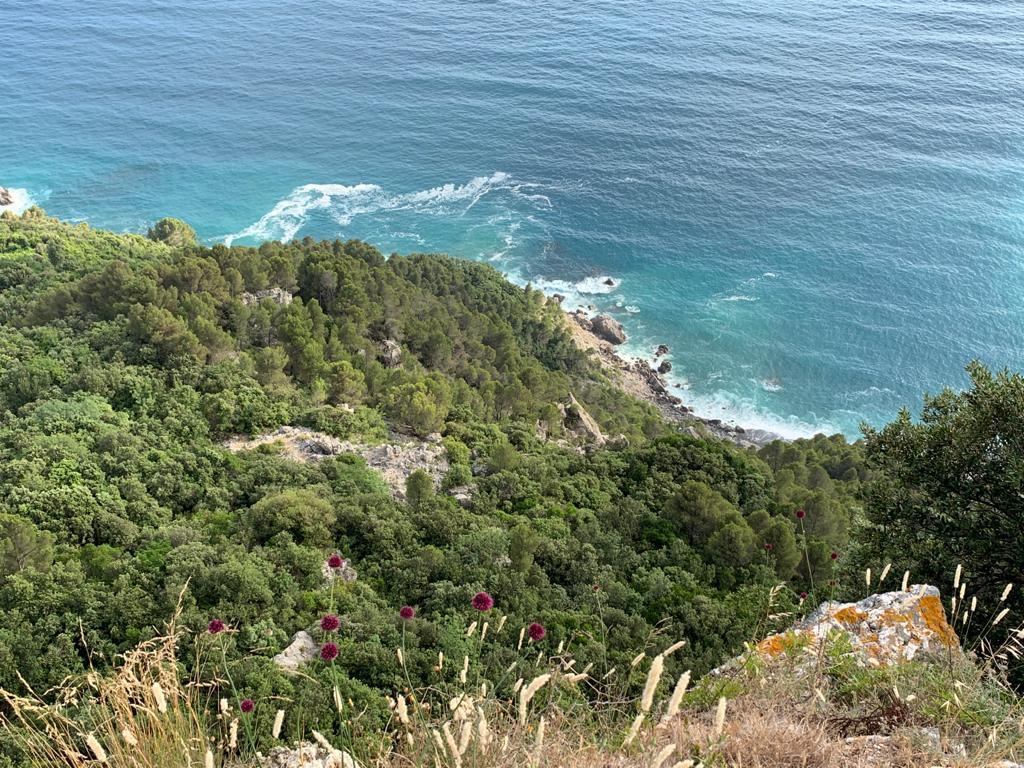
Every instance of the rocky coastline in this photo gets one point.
(601, 334)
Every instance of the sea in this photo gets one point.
(818, 206)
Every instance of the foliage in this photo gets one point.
(127, 362)
(950, 488)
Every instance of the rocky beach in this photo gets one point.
(601, 334)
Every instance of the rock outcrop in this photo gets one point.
(276, 295)
(882, 629)
(582, 423)
(390, 353)
(609, 329)
(394, 461)
(665, 367)
(301, 650)
(6, 197)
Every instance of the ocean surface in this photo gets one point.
(819, 206)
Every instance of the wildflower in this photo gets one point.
(834, 555)
(216, 626)
(329, 623)
(482, 601)
(407, 613)
(597, 587)
(335, 561)
(800, 514)
(329, 652)
(537, 632)
(769, 546)
(247, 705)
(803, 596)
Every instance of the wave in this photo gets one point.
(21, 201)
(735, 409)
(738, 297)
(342, 203)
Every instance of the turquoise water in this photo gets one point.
(818, 206)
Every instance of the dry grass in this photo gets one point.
(140, 717)
(949, 712)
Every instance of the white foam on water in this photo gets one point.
(21, 201)
(342, 203)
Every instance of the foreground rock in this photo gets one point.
(883, 629)
(394, 461)
(6, 197)
(307, 755)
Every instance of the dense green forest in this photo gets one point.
(127, 361)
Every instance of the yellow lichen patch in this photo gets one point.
(776, 645)
(895, 617)
(934, 618)
(849, 616)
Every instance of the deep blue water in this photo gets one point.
(818, 206)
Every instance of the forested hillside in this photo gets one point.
(127, 361)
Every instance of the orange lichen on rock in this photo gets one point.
(934, 617)
(776, 645)
(850, 615)
(885, 628)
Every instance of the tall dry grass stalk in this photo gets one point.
(140, 717)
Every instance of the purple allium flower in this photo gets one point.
(336, 561)
(216, 626)
(834, 555)
(329, 652)
(803, 596)
(482, 601)
(800, 514)
(407, 613)
(329, 623)
(769, 546)
(536, 631)
(247, 705)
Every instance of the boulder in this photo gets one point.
(301, 650)
(557, 298)
(579, 421)
(661, 350)
(6, 198)
(882, 629)
(665, 367)
(307, 755)
(609, 329)
(390, 353)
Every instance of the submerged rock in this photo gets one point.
(661, 350)
(665, 367)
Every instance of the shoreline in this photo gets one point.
(637, 378)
